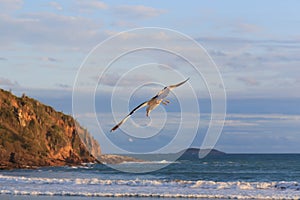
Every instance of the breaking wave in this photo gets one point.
(95, 187)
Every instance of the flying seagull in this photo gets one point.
(152, 103)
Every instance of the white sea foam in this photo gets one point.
(242, 185)
(159, 195)
(95, 187)
(151, 162)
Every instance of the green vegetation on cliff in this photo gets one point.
(33, 134)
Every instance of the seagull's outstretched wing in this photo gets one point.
(124, 120)
(165, 92)
(178, 84)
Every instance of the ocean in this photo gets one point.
(230, 176)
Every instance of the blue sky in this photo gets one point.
(255, 45)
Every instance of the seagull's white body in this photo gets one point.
(152, 103)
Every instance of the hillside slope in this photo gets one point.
(33, 134)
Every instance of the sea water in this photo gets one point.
(261, 176)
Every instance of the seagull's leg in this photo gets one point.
(165, 102)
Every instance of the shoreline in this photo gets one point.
(102, 159)
(43, 197)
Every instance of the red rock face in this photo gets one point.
(33, 134)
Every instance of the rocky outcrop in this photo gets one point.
(117, 159)
(33, 134)
(193, 153)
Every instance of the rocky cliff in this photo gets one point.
(33, 134)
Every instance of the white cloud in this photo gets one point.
(55, 5)
(49, 59)
(10, 5)
(264, 116)
(250, 81)
(91, 5)
(38, 29)
(238, 123)
(6, 82)
(138, 11)
(217, 53)
(123, 23)
(264, 68)
(243, 27)
(64, 86)
(129, 81)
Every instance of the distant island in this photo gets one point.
(193, 153)
(35, 135)
(186, 154)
